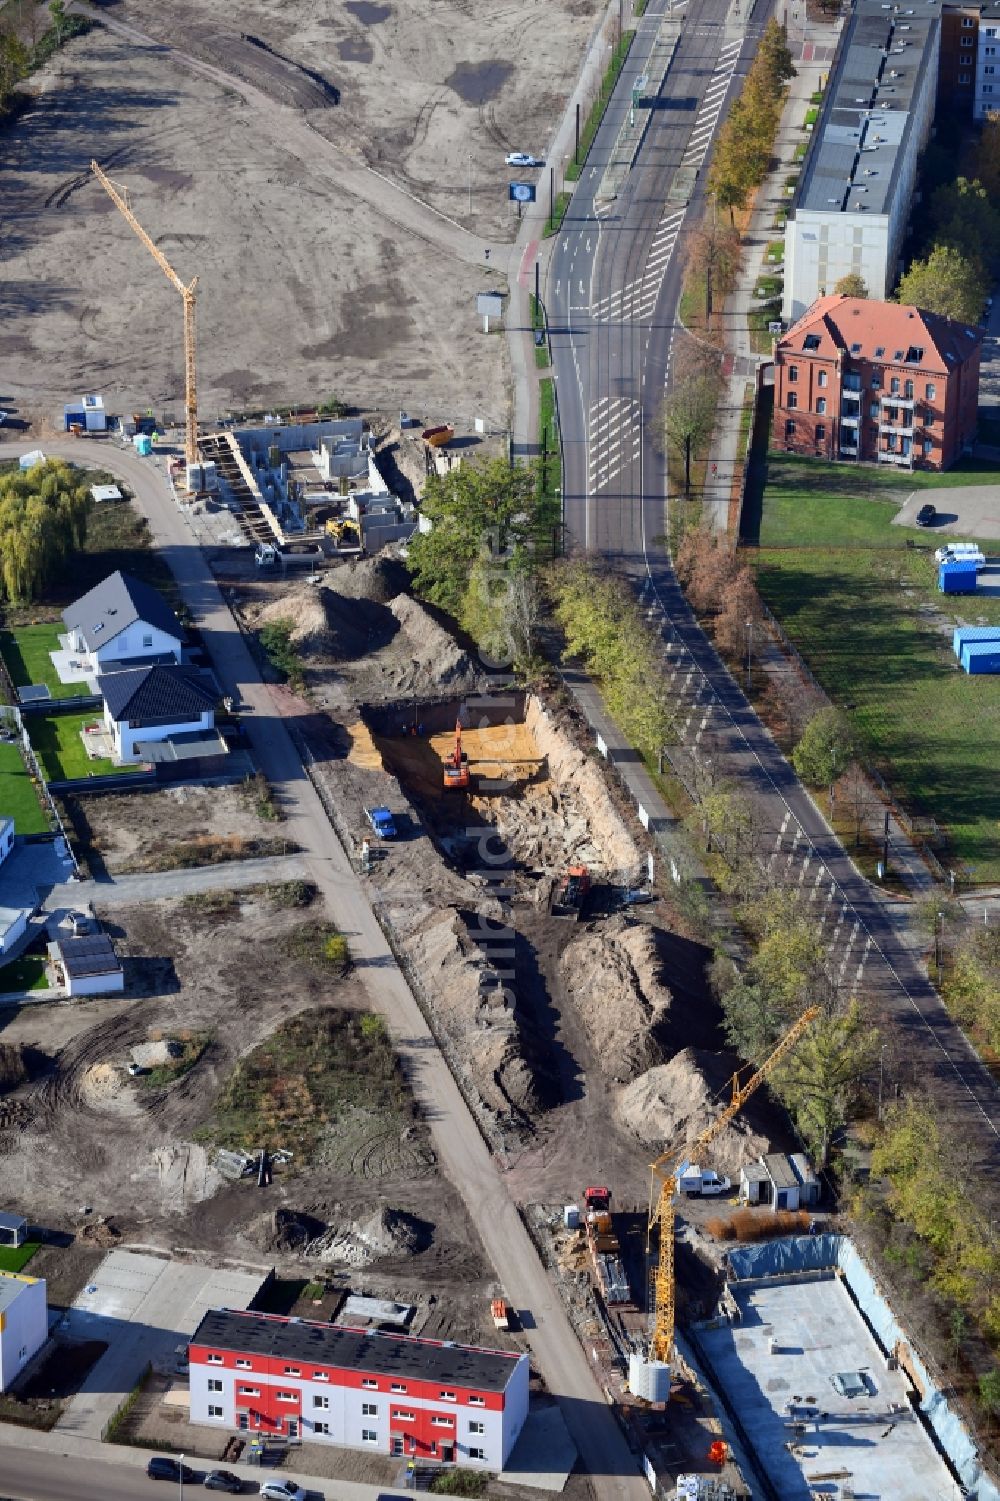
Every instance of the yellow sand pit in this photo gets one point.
(363, 752)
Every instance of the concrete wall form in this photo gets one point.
(815, 1253)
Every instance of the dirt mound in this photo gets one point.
(102, 1232)
(614, 978)
(328, 625)
(387, 1232)
(380, 579)
(155, 1054)
(286, 1230)
(582, 790)
(13, 1066)
(491, 1040)
(672, 1104)
(437, 660)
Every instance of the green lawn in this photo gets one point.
(16, 1258)
(18, 798)
(848, 590)
(25, 651)
(57, 744)
(26, 973)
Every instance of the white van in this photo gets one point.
(955, 550)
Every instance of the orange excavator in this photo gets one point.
(456, 765)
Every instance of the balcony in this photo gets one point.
(888, 399)
(903, 428)
(851, 419)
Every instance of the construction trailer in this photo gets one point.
(958, 576)
(979, 657)
(966, 634)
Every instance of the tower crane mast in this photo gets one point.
(119, 197)
(661, 1201)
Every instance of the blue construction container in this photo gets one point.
(964, 633)
(143, 445)
(957, 577)
(981, 657)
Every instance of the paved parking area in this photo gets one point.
(971, 511)
(142, 1306)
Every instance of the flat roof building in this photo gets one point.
(393, 1393)
(852, 201)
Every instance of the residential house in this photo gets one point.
(86, 965)
(879, 382)
(391, 1394)
(147, 705)
(120, 623)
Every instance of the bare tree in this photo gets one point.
(692, 401)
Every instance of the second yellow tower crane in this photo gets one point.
(119, 197)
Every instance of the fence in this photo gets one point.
(41, 785)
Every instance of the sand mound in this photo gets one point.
(672, 1104)
(614, 979)
(329, 625)
(380, 579)
(153, 1054)
(437, 659)
(492, 1040)
(387, 1232)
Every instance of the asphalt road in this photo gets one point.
(612, 292)
(463, 1154)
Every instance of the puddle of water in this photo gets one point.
(355, 51)
(477, 83)
(368, 12)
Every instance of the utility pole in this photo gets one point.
(749, 654)
(552, 174)
(470, 184)
(576, 148)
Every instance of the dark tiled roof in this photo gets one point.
(115, 604)
(393, 1355)
(179, 693)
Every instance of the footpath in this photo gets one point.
(812, 45)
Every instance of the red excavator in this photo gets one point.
(456, 765)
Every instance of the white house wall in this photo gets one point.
(23, 1329)
(137, 640)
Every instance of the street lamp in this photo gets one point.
(749, 651)
(470, 184)
(938, 933)
(180, 1477)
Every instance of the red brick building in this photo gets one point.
(876, 382)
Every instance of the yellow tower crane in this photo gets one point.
(651, 1378)
(119, 197)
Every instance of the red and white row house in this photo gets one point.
(395, 1394)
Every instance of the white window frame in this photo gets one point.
(248, 1391)
(442, 1422)
(477, 1401)
(324, 1376)
(286, 1396)
(216, 1413)
(476, 1427)
(244, 1365)
(398, 1386)
(447, 1397)
(214, 1384)
(476, 1453)
(403, 1417)
(292, 1370)
(215, 1360)
(368, 1409)
(322, 1404)
(368, 1384)
(322, 1428)
(369, 1436)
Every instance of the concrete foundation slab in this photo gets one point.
(544, 1454)
(776, 1367)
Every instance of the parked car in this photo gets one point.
(282, 1490)
(522, 159)
(927, 515)
(162, 1467)
(223, 1480)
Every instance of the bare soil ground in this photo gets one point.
(139, 1158)
(256, 150)
(180, 825)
